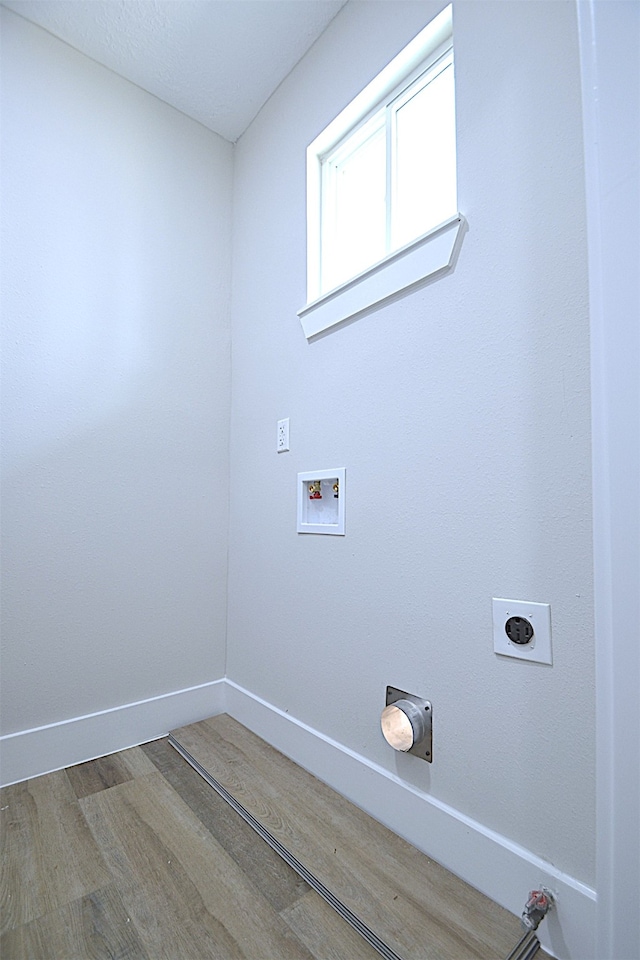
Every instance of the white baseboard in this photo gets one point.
(31, 753)
(491, 863)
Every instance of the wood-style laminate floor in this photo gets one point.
(136, 856)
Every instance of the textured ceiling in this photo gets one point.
(218, 61)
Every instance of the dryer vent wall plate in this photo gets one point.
(406, 723)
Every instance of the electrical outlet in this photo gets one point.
(283, 436)
(522, 629)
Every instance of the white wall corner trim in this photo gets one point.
(431, 256)
(609, 34)
(499, 868)
(31, 753)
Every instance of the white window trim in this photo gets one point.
(431, 254)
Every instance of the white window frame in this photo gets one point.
(400, 270)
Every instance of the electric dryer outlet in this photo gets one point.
(522, 629)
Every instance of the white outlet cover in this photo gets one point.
(282, 441)
(538, 650)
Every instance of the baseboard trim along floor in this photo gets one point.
(54, 746)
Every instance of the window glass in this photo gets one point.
(424, 168)
(356, 210)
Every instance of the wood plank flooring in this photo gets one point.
(135, 857)
(412, 903)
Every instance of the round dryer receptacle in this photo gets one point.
(519, 630)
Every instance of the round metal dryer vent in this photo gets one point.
(406, 723)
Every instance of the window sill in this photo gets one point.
(432, 255)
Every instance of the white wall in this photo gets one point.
(462, 416)
(116, 349)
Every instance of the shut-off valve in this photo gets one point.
(536, 908)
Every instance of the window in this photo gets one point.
(392, 179)
(381, 178)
